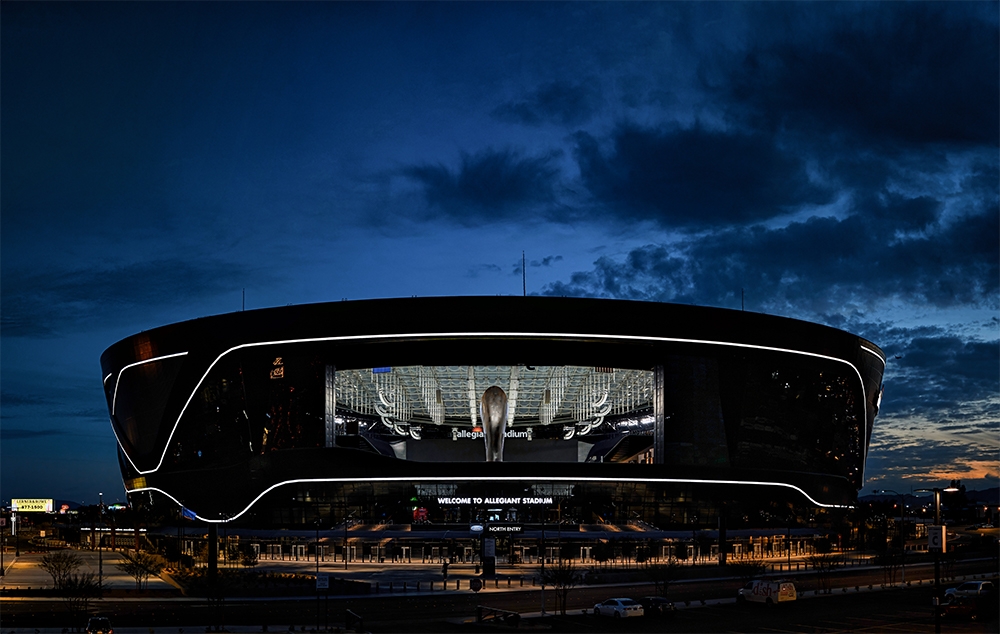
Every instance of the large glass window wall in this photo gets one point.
(748, 411)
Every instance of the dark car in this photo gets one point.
(657, 606)
(99, 625)
(970, 607)
(961, 608)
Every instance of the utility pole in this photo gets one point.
(937, 551)
(902, 522)
(317, 574)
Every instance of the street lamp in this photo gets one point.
(902, 521)
(346, 517)
(937, 552)
(100, 553)
(317, 573)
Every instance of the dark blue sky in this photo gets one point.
(837, 161)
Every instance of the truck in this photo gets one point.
(767, 591)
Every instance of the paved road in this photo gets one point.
(426, 612)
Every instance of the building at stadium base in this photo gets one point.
(494, 414)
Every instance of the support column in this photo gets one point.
(473, 397)
(213, 552)
(659, 415)
(331, 405)
(722, 535)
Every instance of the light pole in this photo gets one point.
(346, 517)
(902, 521)
(937, 553)
(317, 574)
(100, 553)
(544, 511)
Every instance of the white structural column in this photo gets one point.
(331, 405)
(512, 394)
(659, 414)
(473, 400)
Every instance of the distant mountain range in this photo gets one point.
(986, 496)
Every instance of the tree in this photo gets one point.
(823, 545)
(602, 552)
(563, 577)
(890, 559)
(824, 565)
(60, 565)
(248, 558)
(681, 551)
(643, 554)
(746, 570)
(78, 590)
(704, 543)
(628, 551)
(662, 576)
(140, 566)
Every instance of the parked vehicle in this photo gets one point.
(657, 606)
(972, 608)
(970, 589)
(767, 591)
(619, 608)
(99, 625)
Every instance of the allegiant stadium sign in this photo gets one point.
(471, 500)
(457, 433)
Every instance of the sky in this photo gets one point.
(833, 162)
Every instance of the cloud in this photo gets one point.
(906, 73)
(818, 266)
(21, 434)
(893, 454)
(936, 376)
(488, 186)
(48, 303)
(480, 269)
(548, 260)
(559, 102)
(14, 399)
(694, 177)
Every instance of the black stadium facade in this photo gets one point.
(464, 409)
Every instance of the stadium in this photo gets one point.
(443, 413)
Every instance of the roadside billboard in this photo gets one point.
(31, 505)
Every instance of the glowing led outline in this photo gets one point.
(132, 365)
(114, 399)
(524, 335)
(490, 479)
(870, 351)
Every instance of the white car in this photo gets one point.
(970, 589)
(618, 608)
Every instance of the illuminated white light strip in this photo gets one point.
(114, 399)
(524, 335)
(494, 479)
(870, 351)
(108, 376)
(132, 365)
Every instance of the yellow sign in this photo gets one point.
(31, 505)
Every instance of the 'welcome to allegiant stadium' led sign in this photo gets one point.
(465, 501)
